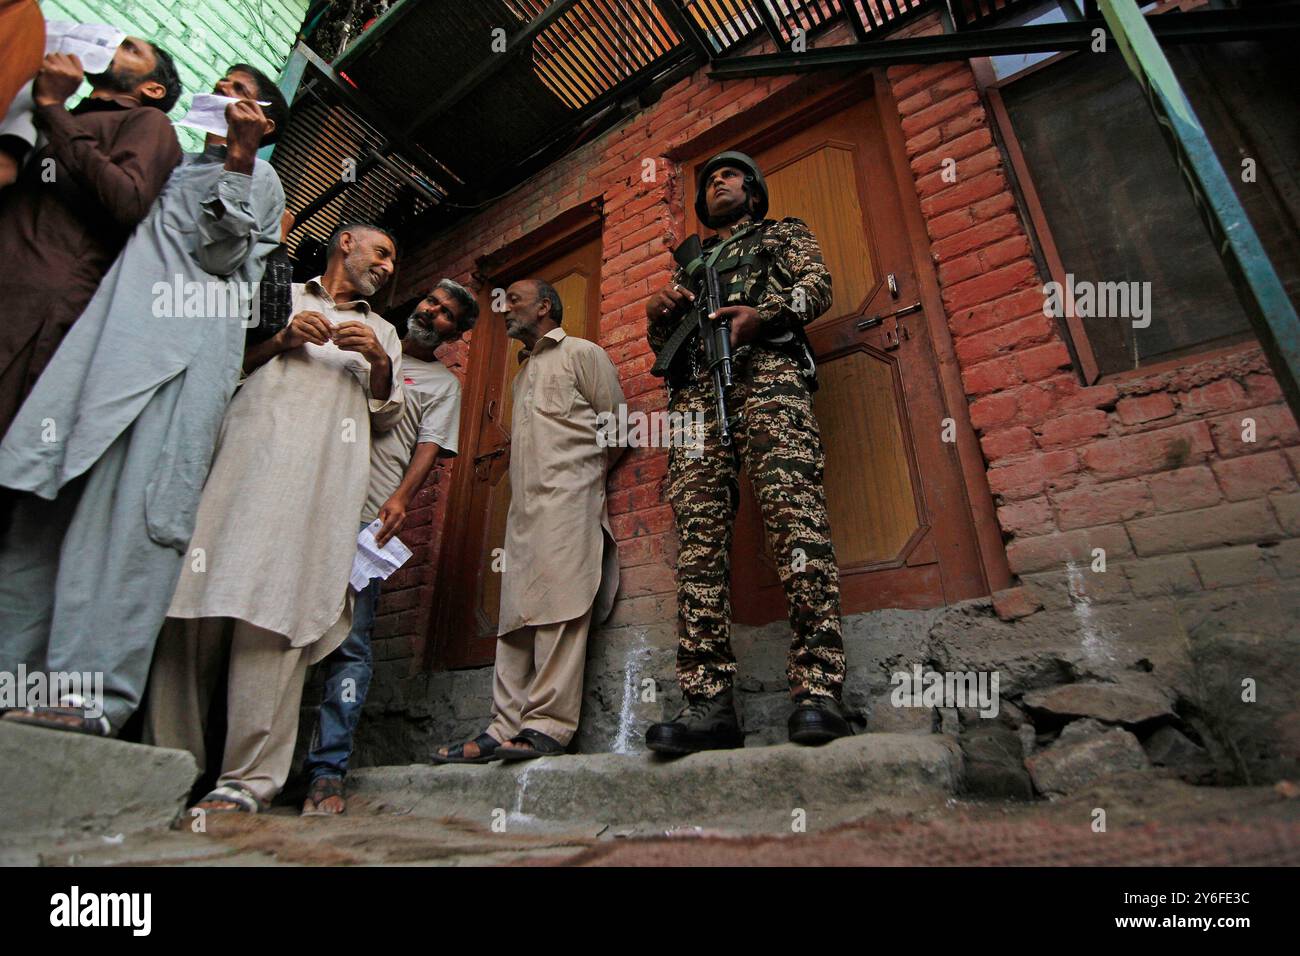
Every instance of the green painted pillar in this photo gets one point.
(1252, 274)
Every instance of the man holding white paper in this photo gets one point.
(94, 171)
(115, 440)
(277, 523)
(400, 462)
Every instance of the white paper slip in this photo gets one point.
(93, 43)
(373, 561)
(208, 112)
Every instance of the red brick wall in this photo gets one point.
(1071, 468)
(1114, 465)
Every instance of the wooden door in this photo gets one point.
(902, 527)
(469, 582)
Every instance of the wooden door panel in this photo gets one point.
(873, 506)
(810, 187)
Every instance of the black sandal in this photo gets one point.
(530, 744)
(487, 752)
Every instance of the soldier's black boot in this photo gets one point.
(817, 720)
(706, 723)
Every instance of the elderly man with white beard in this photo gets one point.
(272, 550)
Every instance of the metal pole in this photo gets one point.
(1253, 276)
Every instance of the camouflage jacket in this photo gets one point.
(793, 289)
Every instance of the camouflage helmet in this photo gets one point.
(755, 184)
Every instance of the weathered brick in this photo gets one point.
(995, 313)
(1016, 334)
(1287, 508)
(1007, 441)
(965, 193)
(968, 145)
(905, 84)
(1184, 490)
(1263, 389)
(932, 184)
(1254, 476)
(1273, 425)
(977, 237)
(1028, 478)
(992, 410)
(1102, 504)
(1015, 603)
(991, 376)
(1216, 397)
(1165, 449)
(991, 285)
(1058, 550)
(1231, 567)
(960, 102)
(1242, 522)
(1286, 558)
(1072, 429)
(1167, 575)
(1027, 518)
(1041, 362)
(647, 579)
(1136, 409)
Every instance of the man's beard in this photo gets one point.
(422, 335)
(115, 81)
(355, 267)
(515, 329)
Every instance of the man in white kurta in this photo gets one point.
(560, 562)
(277, 524)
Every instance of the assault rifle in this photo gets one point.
(715, 336)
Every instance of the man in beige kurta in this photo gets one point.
(560, 562)
(276, 530)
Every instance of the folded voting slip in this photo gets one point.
(373, 561)
(93, 43)
(208, 112)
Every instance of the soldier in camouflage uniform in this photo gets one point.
(773, 282)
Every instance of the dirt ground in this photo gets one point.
(1148, 820)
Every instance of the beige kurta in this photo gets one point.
(277, 523)
(560, 554)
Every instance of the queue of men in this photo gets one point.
(181, 499)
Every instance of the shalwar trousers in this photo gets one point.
(537, 680)
(264, 692)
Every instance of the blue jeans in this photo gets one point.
(347, 678)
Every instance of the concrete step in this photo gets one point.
(618, 789)
(57, 784)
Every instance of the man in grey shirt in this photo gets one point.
(400, 461)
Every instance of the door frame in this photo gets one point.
(970, 457)
(456, 579)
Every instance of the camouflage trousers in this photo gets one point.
(776, 439)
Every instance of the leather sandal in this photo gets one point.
(487, 752)
(529, 744)
(322, 789)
